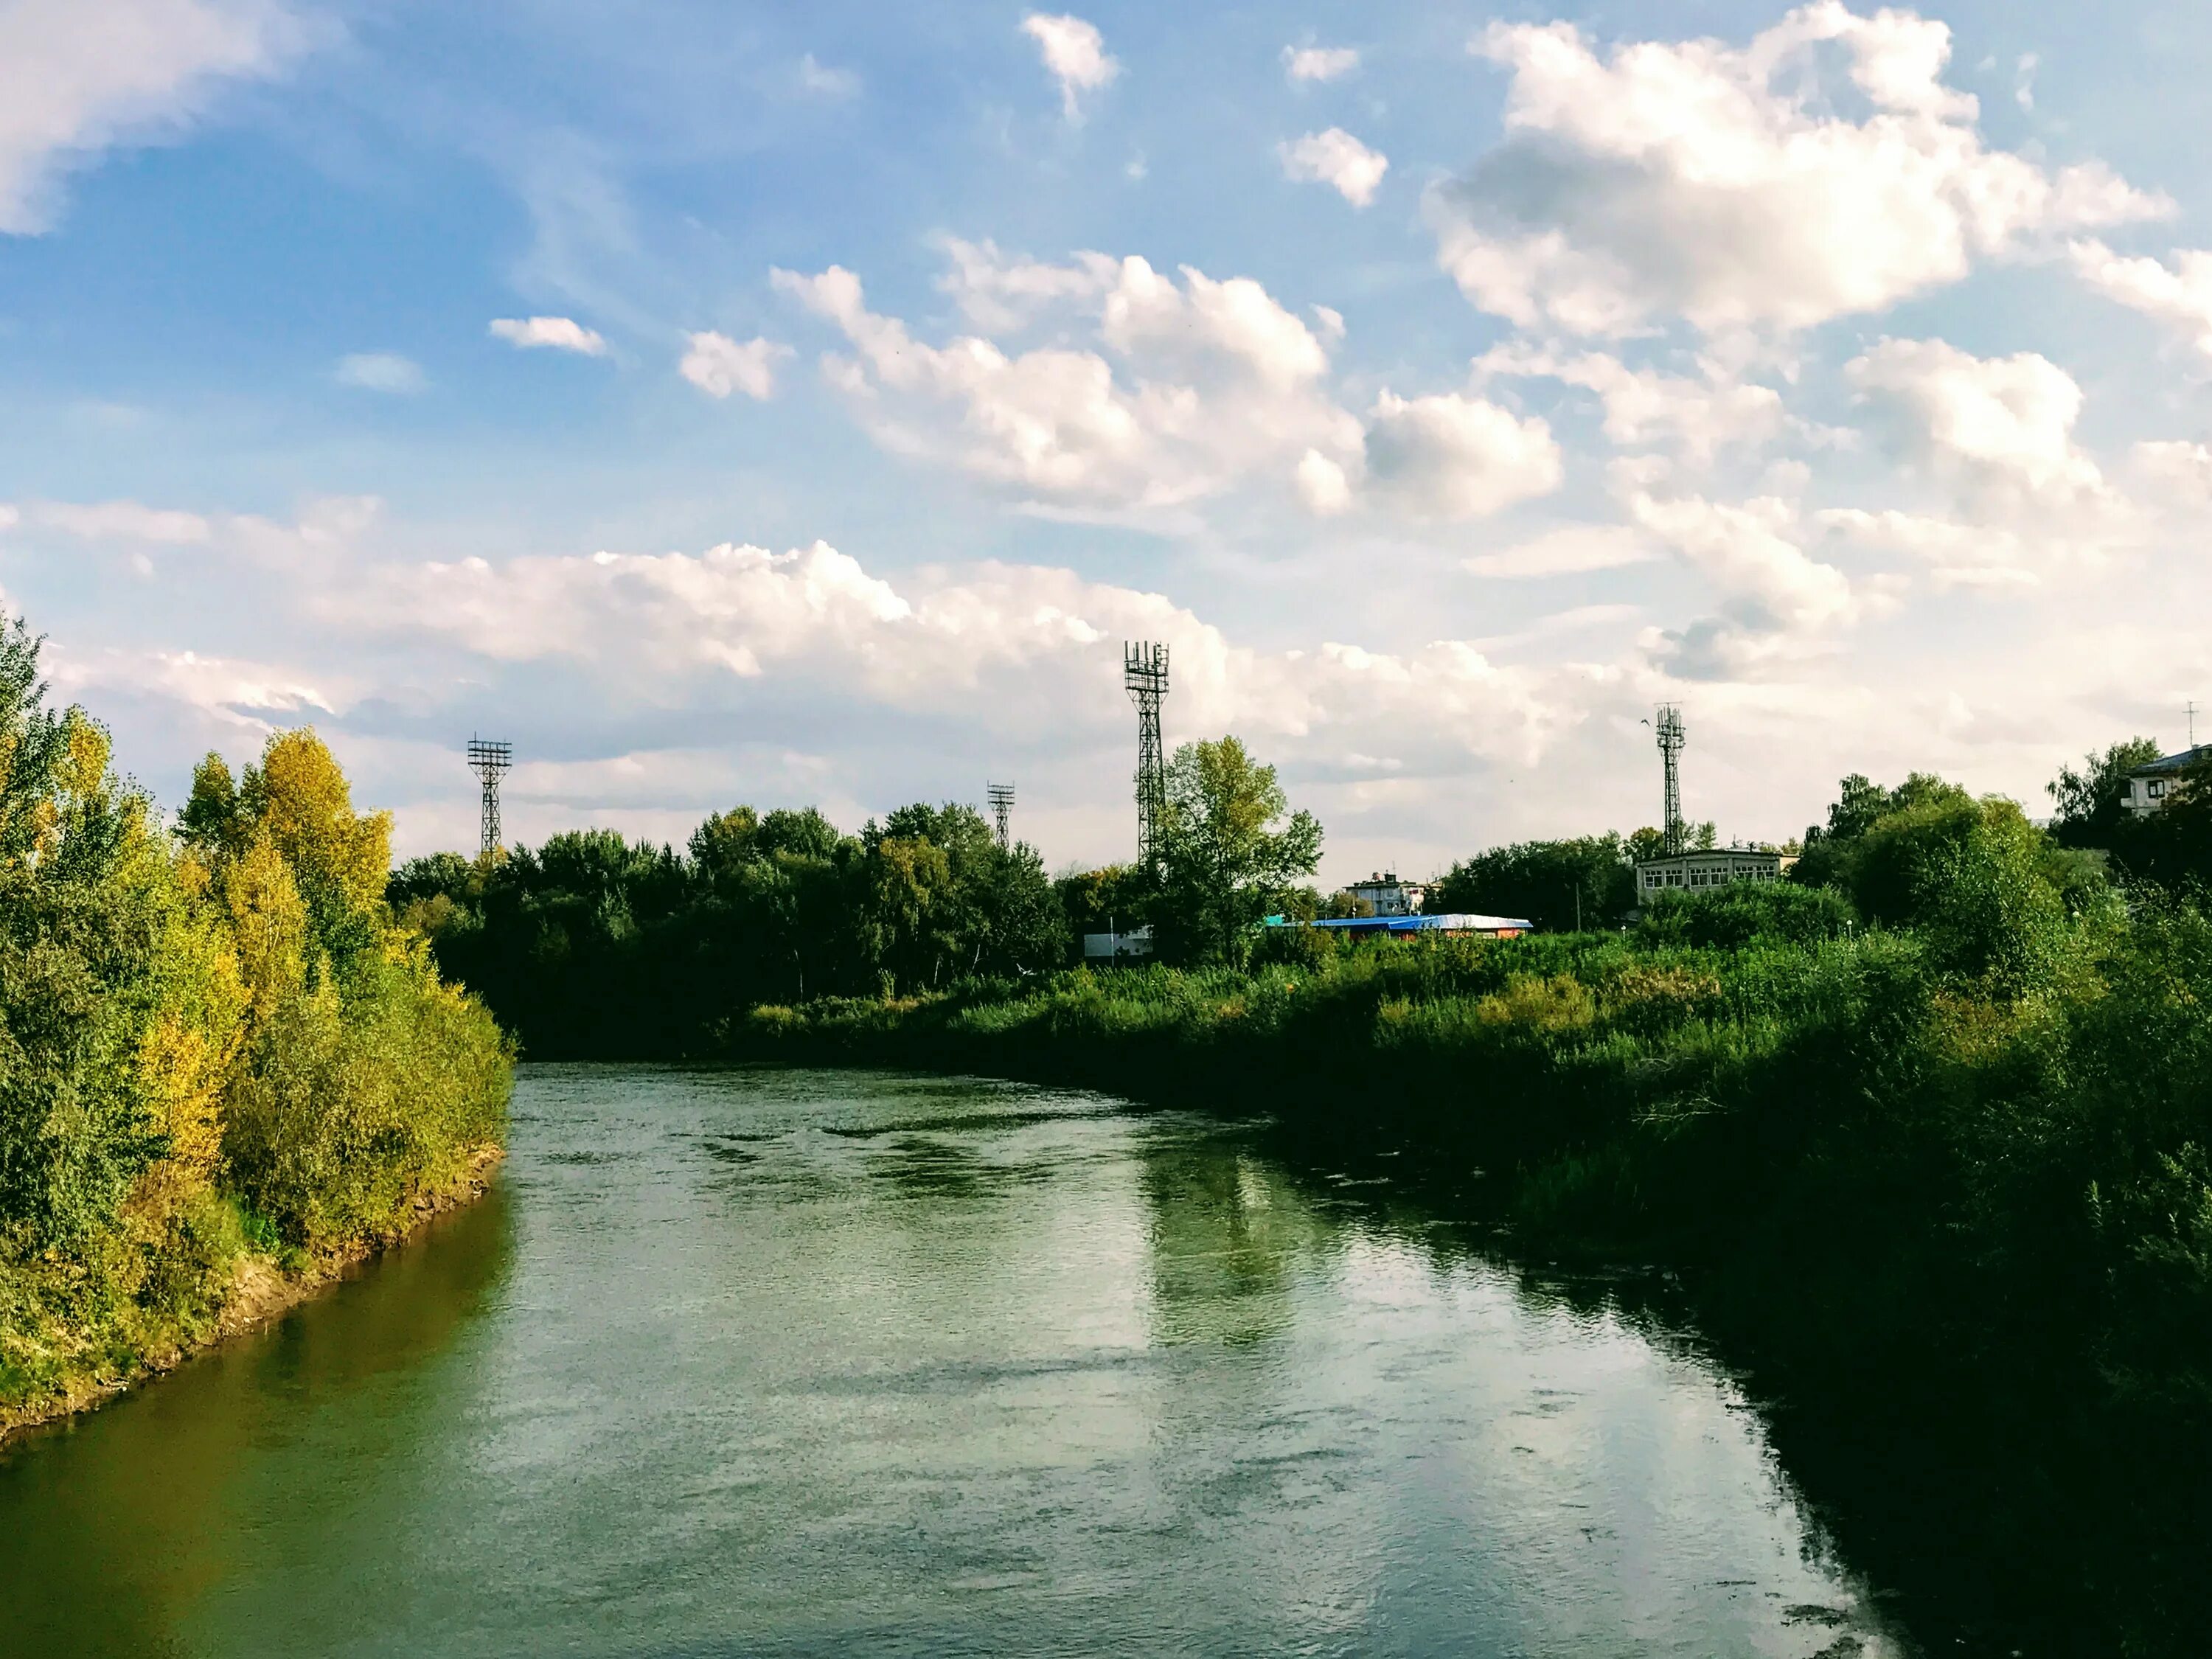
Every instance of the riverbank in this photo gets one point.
(261, 1286)
(1921, 1202)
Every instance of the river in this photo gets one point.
(785, 1363)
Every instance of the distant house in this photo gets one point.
(1388, 896)
(2149, 786)
(1134, 945)
(1715, 866)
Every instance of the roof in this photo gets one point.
(2170, 763)
(1712, 852)
(1449, 922)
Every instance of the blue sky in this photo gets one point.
(1447, 385)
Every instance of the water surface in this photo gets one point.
(801, 1363)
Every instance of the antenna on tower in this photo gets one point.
(2192, 723)
(1668, 729)
(1002, 808)
(487, 759)
(1145, 677)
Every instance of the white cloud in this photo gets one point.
(1183, 388)
(1450, 456)
(719, 366)
(2180, 298)
(77, 77)
(381, 371)
(824, 82)
(1075, 54)
(1958, 553)
(1321, 485)
(1337, 160)
(2004, 426)
(1775, 598)
(1571, 550)
(119, 521)
(1319, 63)
(559, 333)
(1723, 185)
(1645, 407)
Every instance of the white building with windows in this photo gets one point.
(1388, 895)
(1715, 867)
(2150, 786)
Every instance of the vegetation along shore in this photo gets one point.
(224, 1072)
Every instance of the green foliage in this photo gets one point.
(187, 1023)
(1224, 864)
(1557, 885)
(2091, 802)
(1746, 913)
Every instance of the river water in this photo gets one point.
(786, 1363)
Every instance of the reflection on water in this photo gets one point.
(799, 1362)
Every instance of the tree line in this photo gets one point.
(592, 944)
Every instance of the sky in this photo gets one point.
(803, 404)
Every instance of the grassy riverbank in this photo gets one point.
(1929, 1195)
(223, 1072)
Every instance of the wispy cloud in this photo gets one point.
(381, 371)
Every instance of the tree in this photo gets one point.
(1555, 885)
(2092, 802)
(1224, 862)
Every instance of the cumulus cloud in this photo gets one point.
(381, 371)
(2179, 297)
(77, 78)
(719, 366)
(1728, 186)
(1319, 63)
(1075, 54)
(557, 333)
(1645, 407)
(1450, 456)
(1337, 160)
(1186, 383)
(2002, 425)
(1775, 599)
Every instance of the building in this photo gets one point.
(1388, 896)
(2148, 786)
(1450, 924)
(1135, 944)
(1715, 866)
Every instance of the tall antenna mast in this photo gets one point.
(1668, 727)
(2192, 723)
(1002, 808)
(1145, 677)
(487, 759)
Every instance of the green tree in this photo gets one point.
(1226, 861)
(2092, 802)
(1556, 884)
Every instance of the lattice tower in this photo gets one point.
(1144, 675)
(1002, 812)
(1668, 726)
(487, 759)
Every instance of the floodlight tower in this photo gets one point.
(1145, 677)
(1002, 808)
(487, 759)
(1668, 726)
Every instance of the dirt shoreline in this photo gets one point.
(261, 1292)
